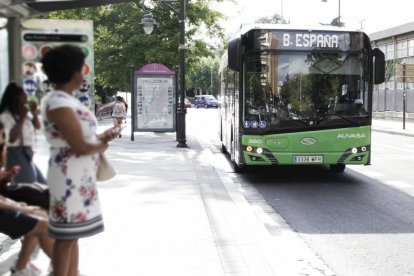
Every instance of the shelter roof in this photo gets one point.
(24, 8)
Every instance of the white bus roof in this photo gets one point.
(248, 27)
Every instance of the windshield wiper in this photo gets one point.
(301, 121)
(339, 116)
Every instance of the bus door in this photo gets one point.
(230, 110)
(236, 117)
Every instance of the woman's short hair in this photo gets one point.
(61, 63)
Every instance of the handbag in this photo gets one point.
(105, 170)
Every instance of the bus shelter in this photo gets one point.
(12, 13)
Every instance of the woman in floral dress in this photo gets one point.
(74, 157)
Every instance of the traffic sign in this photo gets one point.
(404, 79)
(408, 69)
(404, 72)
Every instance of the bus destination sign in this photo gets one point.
(307, 40)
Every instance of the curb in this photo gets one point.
(393, 132)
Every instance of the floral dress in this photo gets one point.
(74, 204)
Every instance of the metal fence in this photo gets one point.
(390, 100)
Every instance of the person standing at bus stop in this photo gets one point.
(119, 112)
(70, 129)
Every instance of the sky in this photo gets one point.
(372, 15)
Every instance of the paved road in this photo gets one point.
(192, 214)
(177, 211)
(359, 222)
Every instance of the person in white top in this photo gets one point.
(70, 129)
(119, 112)
(20, 119)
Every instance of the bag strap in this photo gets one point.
(21, 131)
(29, 159)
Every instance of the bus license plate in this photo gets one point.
(308, 159)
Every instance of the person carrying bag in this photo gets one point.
(119, 112)
(71, 130)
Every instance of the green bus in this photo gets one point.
(292, 96)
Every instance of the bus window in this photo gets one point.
(304, 88)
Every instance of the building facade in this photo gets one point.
(389, 98)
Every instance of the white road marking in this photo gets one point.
(398, 184)
(374, 174)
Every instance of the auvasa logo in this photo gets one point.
(350, 135)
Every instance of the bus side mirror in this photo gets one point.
(379, 66)
(234, 54)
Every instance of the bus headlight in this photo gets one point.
(363, 149)
(259, 150)
(354, 150)
(249, 148)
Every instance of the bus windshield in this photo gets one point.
(312, 89)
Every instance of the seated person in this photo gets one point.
(25, 194)
(31, 222)
(35, 194)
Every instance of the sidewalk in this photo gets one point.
(177, 211)
(393, 126)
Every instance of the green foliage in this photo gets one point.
(337, 22)
(390, 67)
(275, 19)
(120, 43)
(204, 76)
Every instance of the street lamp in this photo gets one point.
(148, 23)
(339, 11)
(181, 111)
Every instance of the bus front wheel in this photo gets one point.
(223, 149)
(337, 168)
(238, 168)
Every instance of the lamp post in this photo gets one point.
(339, 11)
(181, 111)
(133, 100)
(361, 21)
(281, 9)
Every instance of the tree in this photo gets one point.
(390, 67)
(275, 19)
(204, 76)
(337, 22)
(121, 44)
